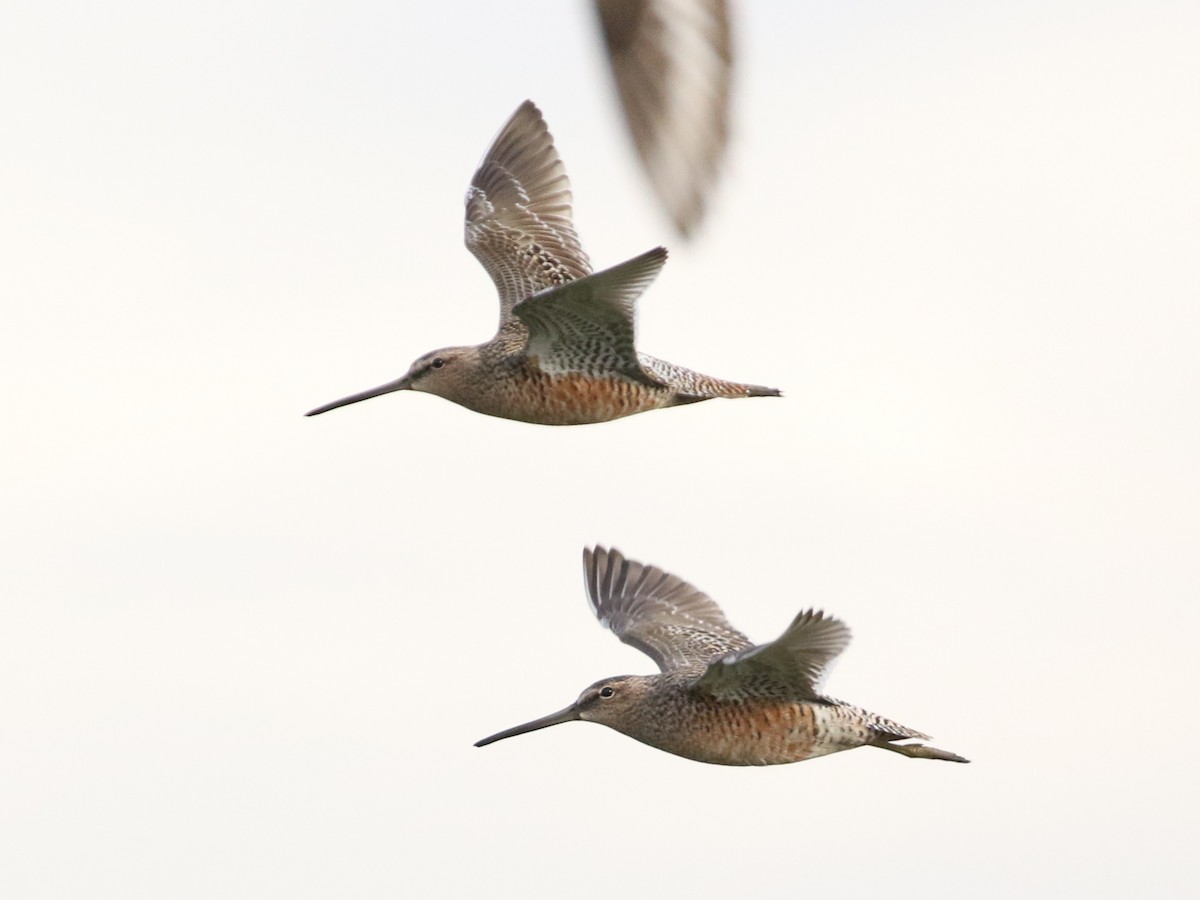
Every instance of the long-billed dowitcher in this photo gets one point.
(671, 60)
(720, 699)
(564, 353)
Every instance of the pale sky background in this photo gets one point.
(245, 654)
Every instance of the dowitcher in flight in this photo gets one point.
(565, 350)
(671, 61)
(720, 698)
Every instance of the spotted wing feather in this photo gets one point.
(588, 325)
(666, 618)
(791, 667)
(518, 213)
(672, 62)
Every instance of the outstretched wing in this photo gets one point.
(666, 618)
(588, 325)
(672, 61)
(518, 219)
(792, 666)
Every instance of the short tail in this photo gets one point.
(919, 751)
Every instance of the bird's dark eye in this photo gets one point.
(606, 692)
(437, 363)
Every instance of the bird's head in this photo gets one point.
(617, 702)
(614, 701)
(447, 372)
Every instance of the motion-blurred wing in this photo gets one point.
(518, 219)
(672, 61)
(663, 616)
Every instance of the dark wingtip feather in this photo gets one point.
(756, 390)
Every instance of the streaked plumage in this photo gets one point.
(719, 698)
(564, 353)
(672, 61)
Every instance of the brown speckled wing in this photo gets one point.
(672, 61)
(791, 667)
(518, 216)
(588, 325)
(666, 618)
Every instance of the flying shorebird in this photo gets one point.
(565, 350)
(671, 61)
(720, 699)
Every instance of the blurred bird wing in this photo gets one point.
(795, 665)
(588, 325)
(663, 616)
(672, 61)
(518, 213)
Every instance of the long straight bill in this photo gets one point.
(399, 385)
(563, 715)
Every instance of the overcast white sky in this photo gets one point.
(245, 654)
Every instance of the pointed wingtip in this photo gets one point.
(756, 390)
(593, 557)
(924, 751)
(528, 108)
(946, 756)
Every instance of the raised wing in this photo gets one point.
(791, 667)
(588, 325)
(672, 61)
(666, 618)
(518, 221)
